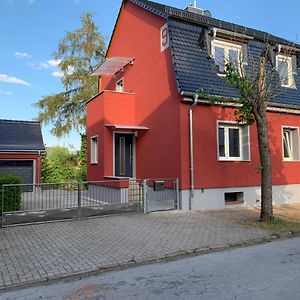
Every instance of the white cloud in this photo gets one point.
(8, 93)
(54, 62)
(22, 54)
(58, 74)
(10, 79)
(30, 2)
(45, 65)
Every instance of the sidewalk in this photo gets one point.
(38, 253)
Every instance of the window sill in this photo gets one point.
(291, 160)
(233, 159)
(93, 163)
(234, 203)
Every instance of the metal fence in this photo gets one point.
(26, 204)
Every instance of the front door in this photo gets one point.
(124, 155)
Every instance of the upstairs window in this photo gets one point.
(290, 142)
(233, 141)
(225, 52)
(120, 85)
(285, 71)
(94, 150)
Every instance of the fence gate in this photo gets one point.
(29, 203)
(160, 194)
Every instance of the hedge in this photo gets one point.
(12, 195)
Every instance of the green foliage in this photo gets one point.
(79, 53)
(61, 165)
(12, 195)
(83, 158)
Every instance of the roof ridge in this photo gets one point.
(19, 121)
(192, 17)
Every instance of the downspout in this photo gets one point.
(192, 186)
(39, 169)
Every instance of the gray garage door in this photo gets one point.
(20, 168)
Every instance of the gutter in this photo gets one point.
(192, 176)
(234, 102)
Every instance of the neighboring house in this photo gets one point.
(21, 149)
(139, 124)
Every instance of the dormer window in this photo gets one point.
(285, 71)
(225, 52)
(120, 85)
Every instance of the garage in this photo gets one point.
(20, 168)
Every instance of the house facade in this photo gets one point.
(21, 149)
(147, 121)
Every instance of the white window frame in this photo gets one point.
(289, 60)
(293, 149)
(94, 152)
(234, 125)
(118, 87)
(228, 46)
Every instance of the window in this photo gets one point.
(233, 141)
(120, 85)
(225, 52)
(285, 71)
(290, 142)
(234, 198)
(94, 150)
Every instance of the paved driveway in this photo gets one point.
(42, 252)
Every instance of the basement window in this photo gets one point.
(234, 198)
(94, 150)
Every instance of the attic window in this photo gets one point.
(285, 70)
(225, 52)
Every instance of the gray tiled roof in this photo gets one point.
(194, 69)
(20, 136)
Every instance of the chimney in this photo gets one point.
(196, 10)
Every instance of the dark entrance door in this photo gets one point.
(123, 155)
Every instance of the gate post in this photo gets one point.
(177, 206)
(145, 194)
(79, 201)
(2, 206)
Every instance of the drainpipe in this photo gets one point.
(38, 169)
(192, 186)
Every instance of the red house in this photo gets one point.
(21, 149)
(148, 122)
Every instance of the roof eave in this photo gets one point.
(189, 97)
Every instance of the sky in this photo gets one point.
(30, 31)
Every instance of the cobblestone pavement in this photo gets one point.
(39, 253)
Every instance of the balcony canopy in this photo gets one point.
(126, 127)
(113, 65)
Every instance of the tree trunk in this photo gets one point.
(260, 113)
(266, 212)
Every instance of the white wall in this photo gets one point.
(214, 198)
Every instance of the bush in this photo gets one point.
(12, 195)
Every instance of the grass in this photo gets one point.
(278, 226)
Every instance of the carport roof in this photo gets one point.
(20, 136)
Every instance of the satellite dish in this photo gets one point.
(207, 13)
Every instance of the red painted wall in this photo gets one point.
(211, 173)
(26, 156)
(163, 151)
(157, 100)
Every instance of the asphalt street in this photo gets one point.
(266, 271)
